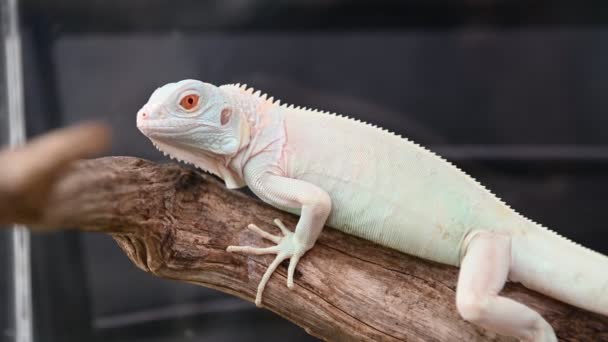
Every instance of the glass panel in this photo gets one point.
(15, 287)
(7, 322)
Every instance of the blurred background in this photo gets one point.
(512, 91)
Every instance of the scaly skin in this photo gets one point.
(371, 183)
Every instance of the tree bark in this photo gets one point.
(176, 223)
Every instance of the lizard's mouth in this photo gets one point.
(157, 129)
(154, 124)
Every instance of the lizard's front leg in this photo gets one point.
(315, 205)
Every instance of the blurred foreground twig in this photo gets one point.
(29, 173)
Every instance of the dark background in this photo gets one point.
(511, 91)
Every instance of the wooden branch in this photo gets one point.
(176, 223)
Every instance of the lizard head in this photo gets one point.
(193, 121)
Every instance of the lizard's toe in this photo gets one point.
(252, 250)
(293, 263)
(264, 234)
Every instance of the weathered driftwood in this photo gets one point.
(176, 223)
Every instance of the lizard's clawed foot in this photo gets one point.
(286, 248)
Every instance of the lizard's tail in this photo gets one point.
(551, 264)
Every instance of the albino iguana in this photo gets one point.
(371, 183)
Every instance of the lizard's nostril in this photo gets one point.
(143, 115)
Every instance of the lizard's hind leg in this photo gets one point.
(483, 273)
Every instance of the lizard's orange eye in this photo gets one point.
(189, 101)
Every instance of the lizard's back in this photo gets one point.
(387, 189)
